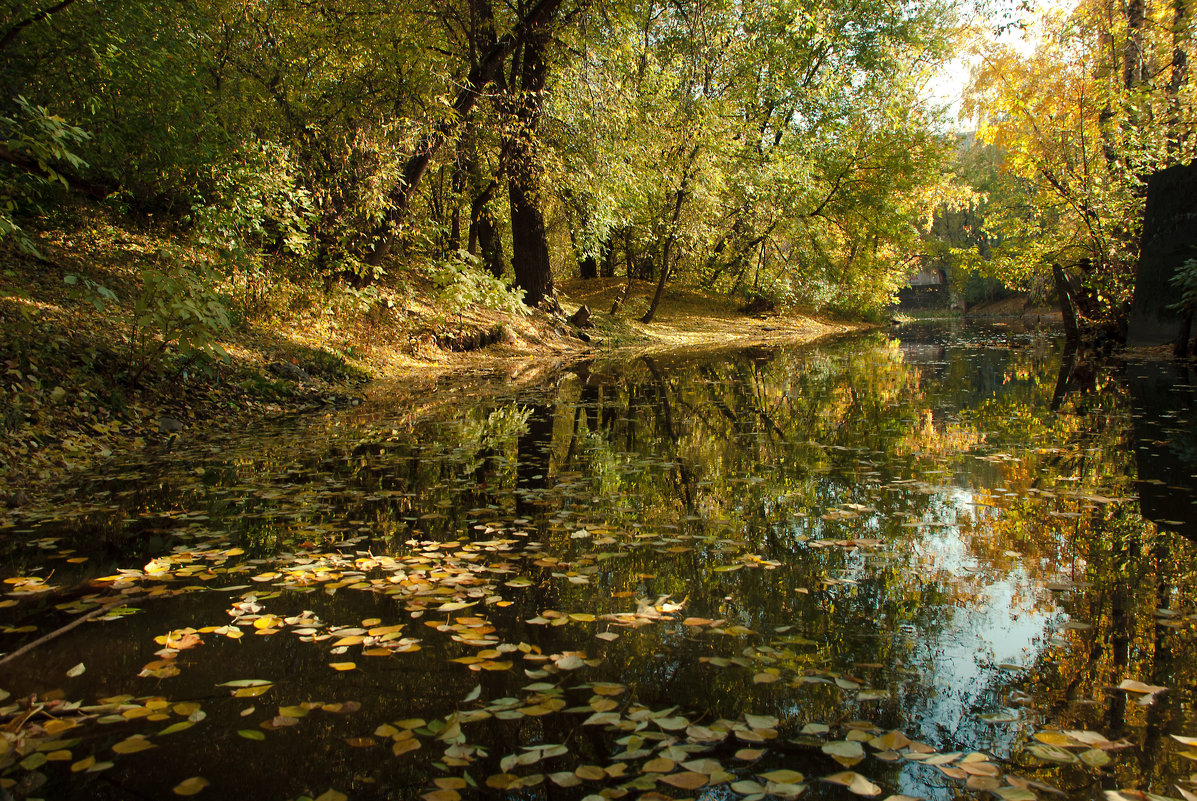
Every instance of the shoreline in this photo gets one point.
(71, 433)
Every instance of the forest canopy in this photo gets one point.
(771, 147)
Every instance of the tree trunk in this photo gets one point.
(534, 21)
(484, 232)
(669, 240)
(1071, 330)
(529, 242)
(1179, 74)
(588, 267)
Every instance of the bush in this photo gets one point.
(178, 308)
(462, 284)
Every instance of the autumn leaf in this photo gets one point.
(190, 786)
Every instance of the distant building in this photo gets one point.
(926, 288)
(927, 277)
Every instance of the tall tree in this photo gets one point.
(1101, 103)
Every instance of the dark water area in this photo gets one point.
(933, 562)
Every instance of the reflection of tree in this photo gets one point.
(744, 487)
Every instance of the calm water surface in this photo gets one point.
(930, 562)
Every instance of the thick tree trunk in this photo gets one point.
(529, 242)
(485, 72)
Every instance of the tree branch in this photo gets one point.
(12, 33)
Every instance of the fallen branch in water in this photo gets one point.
(58, 632)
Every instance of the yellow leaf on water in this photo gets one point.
(342, 665)
(403, 746)
(783, 776)
(332, 795)
(854, 782)
(689, 780)
(131, 745)
(83, 764)
(440, 795)
(1056, 738)
(190, 786)
(590, 772)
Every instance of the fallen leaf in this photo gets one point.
(190, 786)
(854, 782)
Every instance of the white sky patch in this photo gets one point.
(947, 86)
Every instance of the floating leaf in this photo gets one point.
(1095, 758)
(77, 670)
(844, 750)
(441, 795)
(131, 745)
(747, 787)
(190, 786)
(783, 776)
(854, 782)
(342, 665)
(688, 780)
(404, 746)
(251, 734)
(1056, 738)
(1051, 753)
(1015, 794)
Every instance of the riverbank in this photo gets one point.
(80, 386)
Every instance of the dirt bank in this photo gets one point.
(76, 391)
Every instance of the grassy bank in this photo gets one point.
(85, 377)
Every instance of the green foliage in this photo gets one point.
(97, 295)
(177, 308)
(44, 141)
(1185, 281)
(462, 284)
(770, 146)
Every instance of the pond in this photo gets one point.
(928, 562)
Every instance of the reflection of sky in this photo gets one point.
(998, 625)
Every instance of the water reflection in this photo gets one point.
(923, 532)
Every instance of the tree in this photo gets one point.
(1098, 106)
